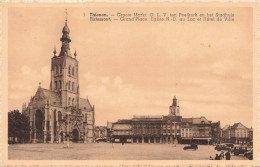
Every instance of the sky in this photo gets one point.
(136, 68)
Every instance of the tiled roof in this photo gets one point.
(84, 103)
(124, 121)
(121, 127)
(200, 120)
(226, 127)
(186, 119)
(238, 125)
(147, 116)
(48, 94)
(109, 124)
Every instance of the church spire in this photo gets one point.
(54, 51)
(66, 17)
(75, 53)
(65, 39)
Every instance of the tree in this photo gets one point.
(18, 126)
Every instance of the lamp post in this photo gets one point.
(68, 135)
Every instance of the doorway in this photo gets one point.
(75, 135)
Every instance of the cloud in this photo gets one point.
(31, 79)
(118, 82)
(105, 80)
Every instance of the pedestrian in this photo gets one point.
(217, 157)
(228, 155)
(222, 155)
(210, 158)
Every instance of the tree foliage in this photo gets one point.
(18, 126)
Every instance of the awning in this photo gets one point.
(190, 138)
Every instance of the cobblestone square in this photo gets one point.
(109, 151)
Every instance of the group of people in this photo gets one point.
(222, 156)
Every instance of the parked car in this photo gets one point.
(240, 150)
(229, 145)
(101, 140)
(192, 146)
(250, 155)
(247, 153)
(220, 147)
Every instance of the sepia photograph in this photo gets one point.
(130, 83)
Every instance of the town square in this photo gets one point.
(111, 151)
(144, 106)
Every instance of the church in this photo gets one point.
(58, 114)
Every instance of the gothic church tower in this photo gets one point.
(64, 73)
(58, 113)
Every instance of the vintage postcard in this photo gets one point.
(130, 83)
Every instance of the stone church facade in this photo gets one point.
(58, 114)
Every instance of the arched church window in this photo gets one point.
(69, 85)
(73, 102)
(86, 116)
(72, 86)
(60, 83)
(69, 101)
(56, 85)
(54, 114)
(69, 70)
(72, 70)
(59, 116)
(60, 68)
(57, 69)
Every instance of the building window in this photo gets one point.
(72, 86)
(59, 116)
(72, 70)
(69, 85)
(56, 85)
(60, 68)
(60, 84)
(69, 101)
(56, 69)
(73, 102)
(69, 70)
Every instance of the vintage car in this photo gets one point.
(229, 145)
(240, 150)
(220, 147)
(192, 146)
(101, 140)
(249, 154)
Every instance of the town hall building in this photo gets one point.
(58, 114)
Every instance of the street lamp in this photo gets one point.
(68, 135)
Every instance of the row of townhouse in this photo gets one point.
(155, 129)
(237, 134)
(171, 128)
